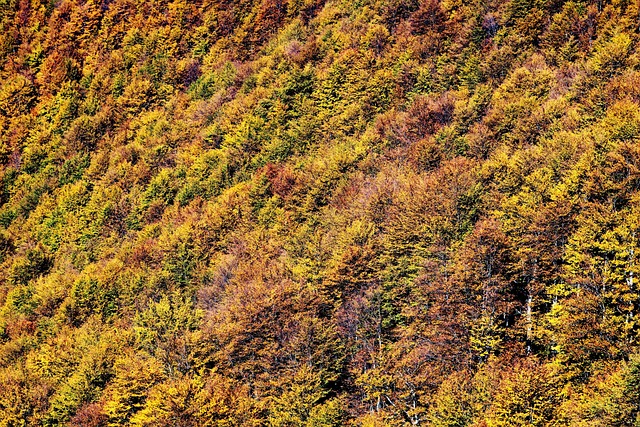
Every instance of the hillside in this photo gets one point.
(319, 213)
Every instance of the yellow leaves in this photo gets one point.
(359, 232)
(533, 80)
(228, 212)
(506, 168)
(246, 137)
(328, 414)
(453, 402)
(169, 403)
(608, 399)
(525, 397)
(622, 121)
(77, 364)
(376, 384)
(341, 157)
(165, 330)
(209, 401)
(139, 94)
(376, 37)
(52, 289)
(17, 95)
(23, 400)
(73, 196)
(612, 54)
(486, 336)
(300, 403)
(134, 374)
(270, 214)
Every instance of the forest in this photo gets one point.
(319, 213)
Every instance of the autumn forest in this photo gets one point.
(319, 213)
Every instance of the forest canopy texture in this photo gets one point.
(319, 213)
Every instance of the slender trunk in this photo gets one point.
(529, 321)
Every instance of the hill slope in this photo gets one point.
(310, 213)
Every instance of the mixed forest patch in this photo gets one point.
(319, 213)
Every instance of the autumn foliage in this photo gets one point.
(319, 213)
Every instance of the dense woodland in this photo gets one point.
(319, 213)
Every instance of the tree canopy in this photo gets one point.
(319, 213)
